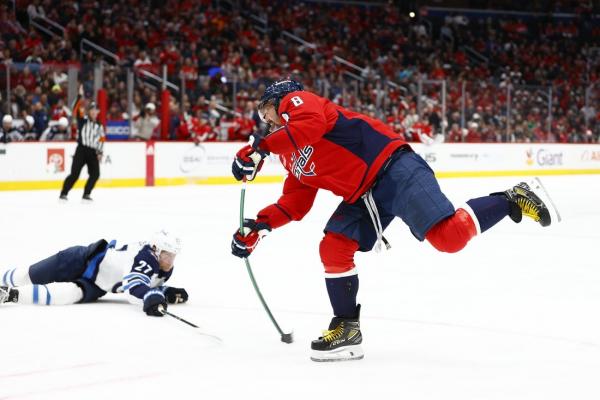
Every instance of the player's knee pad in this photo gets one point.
(337, 253)
(452, 234)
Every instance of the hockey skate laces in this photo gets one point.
(333, 334)
(374, 214)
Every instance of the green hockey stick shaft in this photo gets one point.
(285, 337)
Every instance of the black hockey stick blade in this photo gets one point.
(287, 337)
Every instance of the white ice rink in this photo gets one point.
(516, 315)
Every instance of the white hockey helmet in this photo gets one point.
(7, 119)
(29, 119)
(63, 122)
(165, 241)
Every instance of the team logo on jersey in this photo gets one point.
(301, 161)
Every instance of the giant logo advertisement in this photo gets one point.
(543, 157)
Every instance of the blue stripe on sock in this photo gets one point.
(35, 294)
(4, 277)
(48, 297)
(11, 277)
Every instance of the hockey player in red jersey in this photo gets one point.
(379, 177)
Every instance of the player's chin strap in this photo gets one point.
(374, 213)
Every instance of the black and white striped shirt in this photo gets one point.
(91, 134)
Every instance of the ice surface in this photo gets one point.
(513, 316)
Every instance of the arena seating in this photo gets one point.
(543, 72)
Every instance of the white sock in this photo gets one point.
(15, 277)
(56, 293)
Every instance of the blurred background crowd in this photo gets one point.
(499, 71)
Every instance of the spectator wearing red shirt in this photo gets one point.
(200, 128)
(455, 135)
(420, 128)
(28, 80)
(473, 134)
(59, 110)
(189, 73)
(170, 57)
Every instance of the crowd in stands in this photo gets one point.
(541, 71)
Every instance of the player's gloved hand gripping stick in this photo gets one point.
(285, 337)
(155, 302)
(248, 160)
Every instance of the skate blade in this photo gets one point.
(536, 185)
(346, 353)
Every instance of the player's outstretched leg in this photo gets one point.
(58, 293)
(341, 342)
(524, 201)
(8, 295)
(15, 277)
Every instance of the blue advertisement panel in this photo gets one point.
(117, 130)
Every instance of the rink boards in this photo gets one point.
(44, 165)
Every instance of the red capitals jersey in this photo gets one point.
(324, 146)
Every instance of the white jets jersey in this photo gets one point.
(132, 268)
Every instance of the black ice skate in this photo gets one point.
(524, 201)
(341, 342)
(8, 295)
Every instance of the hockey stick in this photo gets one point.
(285, 337)
(165, 312)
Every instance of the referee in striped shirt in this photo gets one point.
(90, 142)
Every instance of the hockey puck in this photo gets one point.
(287, 338)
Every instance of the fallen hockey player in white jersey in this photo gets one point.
(83, 274)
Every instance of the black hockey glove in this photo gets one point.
(243, 245)
(175, 295)
(248, 160)
(155, 303)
